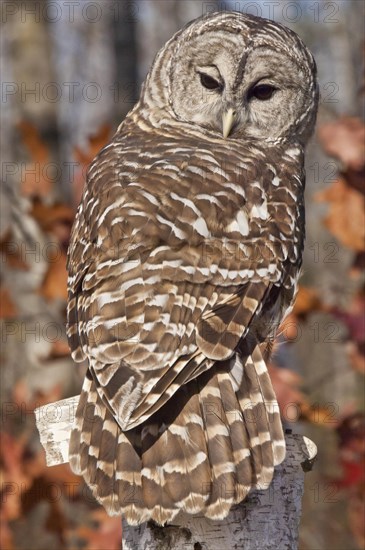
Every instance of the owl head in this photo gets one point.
(237, 76)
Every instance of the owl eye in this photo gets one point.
(209, 82)
(263, 92)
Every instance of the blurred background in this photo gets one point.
(70, 71)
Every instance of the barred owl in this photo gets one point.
(184, 258)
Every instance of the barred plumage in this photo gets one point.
(184, 258)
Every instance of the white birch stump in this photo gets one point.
(266, 520)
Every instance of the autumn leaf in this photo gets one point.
(6, 534)
(56, 219)
(47, 216)
(8, 309)
(307, 300)
(54, 285)
(354, 320)
(60, 348)
(35, 182)
(31, 139)
(96, 142)
(11, 252)
(13, 475)
(344, 139)
(320, 415)
(346, 216)
(63, 475)
(84, 158)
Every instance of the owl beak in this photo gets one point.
(228, 118)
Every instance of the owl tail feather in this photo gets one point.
(202, 452)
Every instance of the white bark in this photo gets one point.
(54, 423)
(267, 519)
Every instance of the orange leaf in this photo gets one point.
(31, 139)
(6, 534)
(63, 475)
(345, 139)
(96, 143)
(48, 216)
(346, 217)
(307, 300)
(323, 416)
(59, 349)
(55, 282)
(8, 309)
(12, 252)
(34, 182)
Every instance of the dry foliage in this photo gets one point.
(35, 183)
(49, 505)
(346, 215)
(96, 142)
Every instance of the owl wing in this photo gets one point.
(159, 289)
